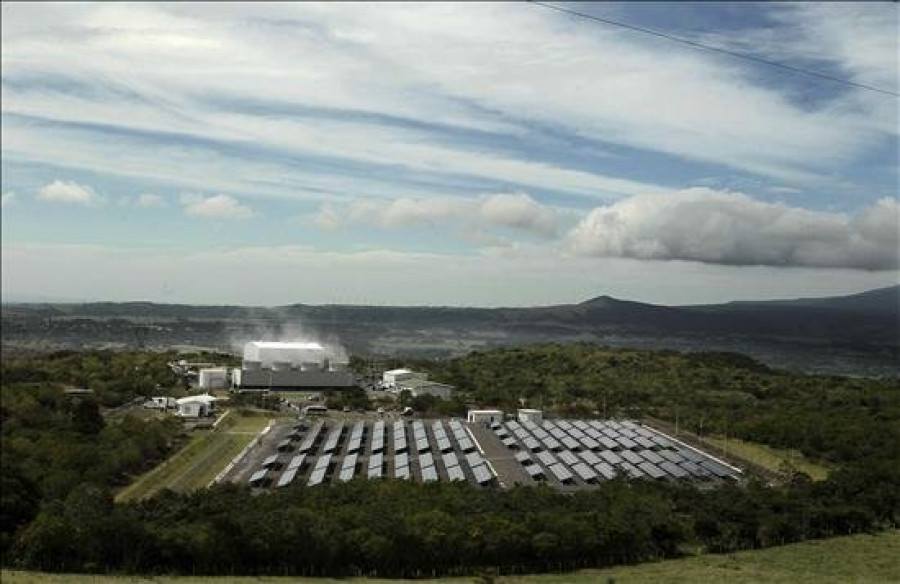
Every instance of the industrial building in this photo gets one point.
(419, 387)
(287, 366)
(213, 378)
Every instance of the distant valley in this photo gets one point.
(857, 334)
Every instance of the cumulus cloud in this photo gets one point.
(7, 199)
(517, 211)
(147, 201)
(215, 207)
(716, 227)
(60, 191)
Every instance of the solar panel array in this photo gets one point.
(331, 452)
(589, 452)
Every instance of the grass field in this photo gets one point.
(853, 559)
(200, 460)
(770, 458)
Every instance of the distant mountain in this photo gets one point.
(859, 333)
(879, 301)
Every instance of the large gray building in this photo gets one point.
(287, 366)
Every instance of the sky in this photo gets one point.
(469, 154)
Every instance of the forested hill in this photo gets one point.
(850, 334)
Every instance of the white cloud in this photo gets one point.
(717, 227)
(215, 207)
(148, 200)
(517, 211)
(60, 191)
(7, 199)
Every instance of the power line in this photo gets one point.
(702, 46)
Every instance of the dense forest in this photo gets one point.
(828, 417)
(62, 460)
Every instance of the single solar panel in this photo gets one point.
(429, 474)
(568, 458)
(584, 472)
(632, 470)
(287, 477)
(450, 459)
(672, 456)
(606, 470)
(589, 457)
(608, 443)
(376, 460)
(651, 456)
(316, 478)
(258, 477)
(482, 474)
(532, 444)
(375, 472)
(651, 470)
(296, 462)
(270, 461)
(631, 457)
(561, 473)
(402, 472)
(454, 473)
(323, 462)
(426, 459)
(474, 459)
(626, 442)
(590, 443)
(610, 457)
(673, 469)
(535, 471)
(546, 458)
(645, 442)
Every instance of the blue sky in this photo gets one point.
(463, 154)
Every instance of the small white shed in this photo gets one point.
(529, 415)
(196, 406)
(484, 416)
